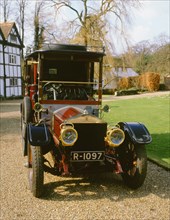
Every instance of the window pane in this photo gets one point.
(12, 59)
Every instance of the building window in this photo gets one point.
(13, 38)
(12, 59)
(13, 82)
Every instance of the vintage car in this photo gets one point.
(61, 114)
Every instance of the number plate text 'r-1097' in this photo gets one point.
(87, 156)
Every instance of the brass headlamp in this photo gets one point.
(68, 135)
(38, 107)
(115, 137)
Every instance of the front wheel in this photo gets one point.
(26, 117)
(135, 167)
(36, 172)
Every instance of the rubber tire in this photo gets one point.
(135, 181)
(24, 137)
(26, 117)
(36, 171)
(27, 110)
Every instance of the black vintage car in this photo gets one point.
(61, 114)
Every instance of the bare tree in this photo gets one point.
(88, 13)
(5, 5)
(38, 27)
(44, 26)
(148, 56)
(21, 10)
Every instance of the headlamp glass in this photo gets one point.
(115, 137)
(37, 107)
(68, 136)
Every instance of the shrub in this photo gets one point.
(142, 82)
(127, 83)
(162, 87)
(108, 91)
(134, 82)
(151, 81)
(123, 83)
(167, 82)
(127, 92)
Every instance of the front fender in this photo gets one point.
(137, 132)
(38, 135)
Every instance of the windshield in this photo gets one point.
(67, 80)
(61, 91)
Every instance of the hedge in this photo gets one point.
(148, 80)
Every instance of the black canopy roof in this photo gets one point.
(93, 52)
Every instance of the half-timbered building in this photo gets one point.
(10, 61)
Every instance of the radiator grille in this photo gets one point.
(90, 136)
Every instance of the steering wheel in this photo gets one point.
(49, 85)
(52, 87)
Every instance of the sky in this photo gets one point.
(151, 20)
(148, 22)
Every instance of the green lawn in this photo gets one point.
(154, 112)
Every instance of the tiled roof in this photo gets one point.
(122, 72)
(6, 28)
(128, 72)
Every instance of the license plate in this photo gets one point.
(87, 156)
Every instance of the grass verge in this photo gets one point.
(154, 112)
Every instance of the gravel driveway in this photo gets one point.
(102, 196)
